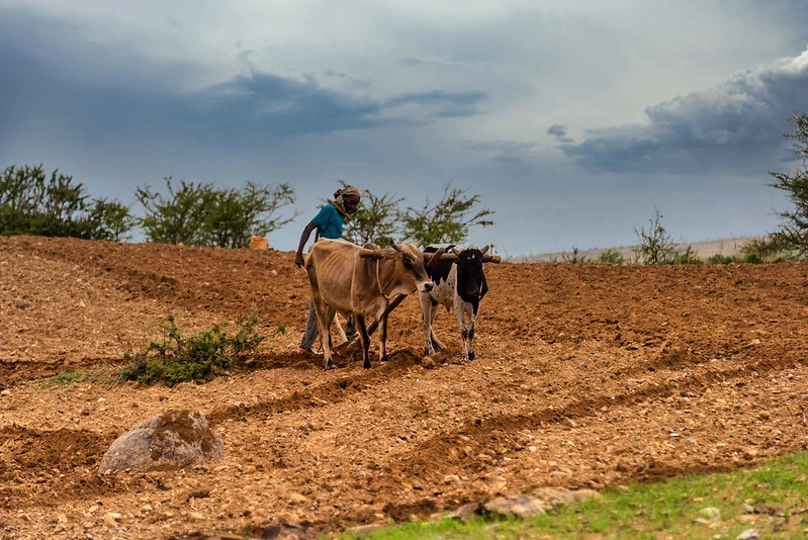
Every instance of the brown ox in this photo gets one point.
(360, 281)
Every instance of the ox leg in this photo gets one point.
(340, 331)
(364, 339)
(383, 339)
(426, 311)
(433, 314)
(324, 317)
(464, 331)
(472, 322)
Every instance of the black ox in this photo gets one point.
(461, 284)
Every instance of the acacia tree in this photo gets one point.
(178, 217)
(236, 215)
(199, 214)
(376, 220)
(793, 231)
(449, 220)
(32, 203)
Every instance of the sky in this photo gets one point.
(572, 120)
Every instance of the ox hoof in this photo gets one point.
(384, 358)
(366, 364)
(329, 364)
(471, 356)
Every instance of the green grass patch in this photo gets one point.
(772, 499)
(176, 358)
(69, 377)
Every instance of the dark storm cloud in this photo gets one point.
(559, 132)
(734, 126)
(55, 81)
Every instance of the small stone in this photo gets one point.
(750, 453)
(196, 515)
(449, 478)
(5, 392)
(147, 508)
(569, 422)
(748, 508)
(522, 506)
(61, 518)
(764, 415)
(297, 498)
(748, 533)
(101, 400)
(532, 449)
(466, 512)
(711, 512)
(428, 362)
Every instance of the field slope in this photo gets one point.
(587, 376)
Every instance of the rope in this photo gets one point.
(378, 282)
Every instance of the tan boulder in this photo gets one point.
(169, 441)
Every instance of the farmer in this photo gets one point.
(328, 223)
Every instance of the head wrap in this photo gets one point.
(347, 190)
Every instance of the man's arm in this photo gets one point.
(303, 239)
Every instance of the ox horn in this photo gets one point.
(485, 249)
(418, 244)
(365, 253)
(492, 258)
(433, 258)
(457, 251)
(398, 247)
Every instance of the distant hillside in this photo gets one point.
(726, 246)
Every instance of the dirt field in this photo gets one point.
(586, 376)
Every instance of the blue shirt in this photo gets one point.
(329, 222)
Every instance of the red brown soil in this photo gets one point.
(586, 376)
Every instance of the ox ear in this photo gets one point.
(456, 251)
(370, 254)
(485, 249)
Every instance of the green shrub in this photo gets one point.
(32, 203)
(573, 257)
(448, 220)
(753, 259)
(176, 358)
(767, 249)
(200, 214)
(610, 256)
(656, 245)
(718, 258)
(688, 256)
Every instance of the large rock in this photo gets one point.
(171, 440)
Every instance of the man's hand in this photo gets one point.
(299, 261)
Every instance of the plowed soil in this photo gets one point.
(586, 376)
